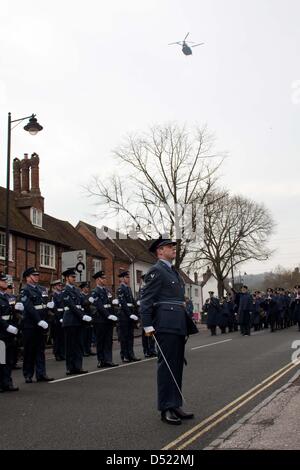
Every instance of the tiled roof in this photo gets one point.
(126, 249)
(54, 230)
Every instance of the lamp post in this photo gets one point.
(33, 127)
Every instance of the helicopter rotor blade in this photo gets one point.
(186, 36)
(200, 44)
(171, 43)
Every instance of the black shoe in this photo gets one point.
(183, 414)
(125, 360)
(147, 356)
(81, 371)
(59, 359)
(168, 416)
(108, 364)
(135, 359)
(28, 380)
(45, 378)
(154, 354)
(9, 388)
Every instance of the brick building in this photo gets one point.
(120, 253)
(36, 238)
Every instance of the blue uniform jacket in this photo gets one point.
(163, 288)
(5, 315)
(102, 304)
(58, 310)
(34, 299)
(72, 305)
(125, 297)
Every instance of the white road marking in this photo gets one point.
(100, 370)
(211, 344)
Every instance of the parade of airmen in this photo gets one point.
(75, 320)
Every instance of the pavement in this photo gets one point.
(274, 424)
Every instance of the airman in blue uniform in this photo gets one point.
(73, 321)
(104, 320)
(244, 311)
(127, 318)
(87, 330)
(35, 302)
(58, 310)
(164, 314)
(7, 335)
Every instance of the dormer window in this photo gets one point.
(36, 217)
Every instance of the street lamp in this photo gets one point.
(33, 127)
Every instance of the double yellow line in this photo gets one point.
(207, 424)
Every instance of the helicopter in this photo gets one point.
(185, 48)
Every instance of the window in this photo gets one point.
(47, 255)
(97, 265)
(196, 292)
(3, 246)
(138, 276)
(36, 217)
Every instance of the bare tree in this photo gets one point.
(170, 171)
(282, 277)
(236, 230)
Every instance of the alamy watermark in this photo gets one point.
(295, 87)
(296, 354)
(186, 222)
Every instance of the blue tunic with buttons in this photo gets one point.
(162, 300)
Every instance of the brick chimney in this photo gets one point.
(28, 195)
(17, 175)
(35, 175)
(25, 166)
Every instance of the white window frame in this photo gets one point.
(51, 255)
(97, 265)
(10, 249)
(36, 217)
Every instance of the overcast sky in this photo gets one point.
(93, 71)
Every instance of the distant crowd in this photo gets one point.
(275, 309)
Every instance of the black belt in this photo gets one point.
(171, 302)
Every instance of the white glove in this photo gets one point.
(43, 324)
(112, 317)
(91, 300)
(138, 302)
(149, 329)
(19, 306)
(61, 320)
(50, 304)
(12, 329)
(115, 302)
(134, 317)
(86, 318)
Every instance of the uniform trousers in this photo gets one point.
(5, 369)
(34, 340)
(126, 335)
(172, 347)
(73, 347)
(104, 340)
